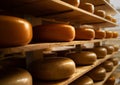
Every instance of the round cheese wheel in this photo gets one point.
(110, 49)
(53, 32)
(83, 57)
(14, 31)
(73, 2)
(109, 34)
(108, 17)
(84, 80)
(110, 80)
(114, 60)
(100, 34)
(116, 48)
(115, 34)
(97, 74)
(100, 13)
(88, 7)
(54, 68)
(84, 32)
(15, 76)
(108, 65)
(114, 20)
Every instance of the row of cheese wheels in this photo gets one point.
(51, 69)
(91, 8)
(16, 31)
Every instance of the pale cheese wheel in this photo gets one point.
(97, 74)
(100, 34)
(109, 34)
(85, 33)
(84, 80)
(73, 2)
(83, 57)
(54, 68)
(88, 7)
(15, 76)
(108, 65)
(100, 13)
(14, 31)
(53, 32)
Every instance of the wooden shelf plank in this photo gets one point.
(80, 71)
(107, 76)
(41, 46)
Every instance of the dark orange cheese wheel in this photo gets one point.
(14, 31)
(53, 32)
(100, 34)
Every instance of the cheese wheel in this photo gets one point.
(100, 34)
(14, 31)
(115, 34)
(110, 80)
(85, 33)
(83, 57)
(73, 2)
(108, 65)
(114, 60)
(97, 74)
(114, 20)
(116, 47)
(109, 34)
(88, 7)
(84, 80)
(100, 13)
(110, 48)
(108, 17)
(15, 76)
(54, 68)
(53, 32)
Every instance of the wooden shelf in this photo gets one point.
(107, 76)
(41, 46)
(80, 71)
(59, 10)
(102, 4)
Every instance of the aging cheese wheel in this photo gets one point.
(14, 31)
(116, 48)
(108, 17)
(108, 65)
(54, 68)
(84, 80)
(110, 48)
(15, 76)
(88, 7)
(100, 34)
(73, 2)
(53, 32)
(97, 74)
(109, 34)
(84, 32)
(110, 80)
(114, 60)
(114, 20)
(115, 34)
(100, 13)
(83, 57)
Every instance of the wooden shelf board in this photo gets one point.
(80, 71)
(107, 76)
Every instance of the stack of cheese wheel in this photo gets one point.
(110, 80)
(53, 32)
(100, 13)
(84, 80)
(14, 31)
(100, 34)
(101, 52)
(115, 34)
(97, 74)
(88, 7)
(110, 48)
(83, 57)
(15, 76)
(73, 2)
(108, 65)
(84, 32)
(114, 60)
(54, 68)
(109, 34)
